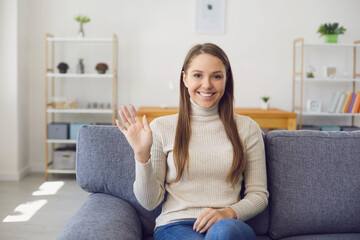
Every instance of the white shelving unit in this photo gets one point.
(51, 76)
(299, 80)
(79, 110)
(74, 75)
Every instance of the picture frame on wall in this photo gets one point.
(210, 16)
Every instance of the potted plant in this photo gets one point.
(331, 32)
(310, 72)
(101, 68)
(63, 67)
(264, 103)
(82, 19)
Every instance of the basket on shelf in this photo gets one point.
(64, 103)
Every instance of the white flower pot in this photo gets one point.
(264, 105)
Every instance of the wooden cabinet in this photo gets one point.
(271, 118)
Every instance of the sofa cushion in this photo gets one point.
(103, 217)
(105, 164)
(314, 182)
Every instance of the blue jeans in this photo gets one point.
(224, 229)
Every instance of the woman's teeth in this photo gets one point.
(206, 94)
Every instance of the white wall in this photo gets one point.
(154, 37)
(14, 159)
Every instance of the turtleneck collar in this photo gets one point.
(196, 110)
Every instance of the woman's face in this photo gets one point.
(205, 80)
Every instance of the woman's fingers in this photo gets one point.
(146, 123)
(123, 118)
(134, 113)
(207, 219)
(120, 126)
(207, 225)
(198, 223)
(127, 114)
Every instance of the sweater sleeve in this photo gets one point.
(149, 182)
(256, 194)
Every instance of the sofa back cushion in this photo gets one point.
(314, 182)
(105, 164)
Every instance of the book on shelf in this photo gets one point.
(340, 103)
(333, 102)
(352, 102)
(347, 102)
(356, 107)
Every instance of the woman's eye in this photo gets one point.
(217, 76)
(197, 75)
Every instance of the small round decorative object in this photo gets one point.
(101, 68)
(63, 67)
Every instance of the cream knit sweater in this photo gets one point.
(210, 158)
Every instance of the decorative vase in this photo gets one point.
(81, 32)
(264, 105)
(80, 66)
(331, 38)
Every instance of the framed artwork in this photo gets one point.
(313, 106)
(330, 72)
(210, 16)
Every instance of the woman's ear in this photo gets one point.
(185, 79)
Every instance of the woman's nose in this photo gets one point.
(206, 83)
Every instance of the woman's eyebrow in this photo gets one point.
(202, 71)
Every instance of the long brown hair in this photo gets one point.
(226, 114)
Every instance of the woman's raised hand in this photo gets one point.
(137, 133)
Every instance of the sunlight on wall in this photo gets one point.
(25, 211)
(48, 188)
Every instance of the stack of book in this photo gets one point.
(344, 102)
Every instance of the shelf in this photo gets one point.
(79, 40)
(62, 171)
(334, 45)
(330, 114)
(75, 75)
(328, 80)
(85, 110)
(61, 141)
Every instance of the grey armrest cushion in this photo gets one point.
(105, 164)
(314, 182)
(103, 216)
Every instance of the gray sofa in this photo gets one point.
(313, 180)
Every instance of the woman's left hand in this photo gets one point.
(211, 216)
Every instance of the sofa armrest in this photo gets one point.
(103, 216)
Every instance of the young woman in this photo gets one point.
(199, 157)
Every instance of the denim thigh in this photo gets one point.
(230, 229)
(182, 230)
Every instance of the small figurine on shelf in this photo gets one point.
(101, 68)
(63, 67)
(82, 19)
(264, 103)
(80, 66)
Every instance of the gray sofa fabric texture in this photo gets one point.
(105, 164)
(313, 179)
(103, 216)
